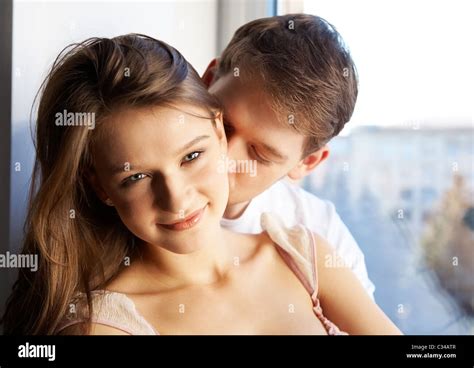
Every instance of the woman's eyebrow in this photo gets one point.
(192, 143)
(125, 167)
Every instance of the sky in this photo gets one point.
(414, 59)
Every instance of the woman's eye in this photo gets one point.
(136, 177)
(192, 156)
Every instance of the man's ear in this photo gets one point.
(309, 163)
(210, 74)
(99, 191)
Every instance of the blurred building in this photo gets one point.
(387, 184)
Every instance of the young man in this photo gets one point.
(287, 85)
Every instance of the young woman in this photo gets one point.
(125, 217)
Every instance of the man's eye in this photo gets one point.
(229, 129)
(192, 156)
(259, 158)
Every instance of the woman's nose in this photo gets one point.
(172, 194)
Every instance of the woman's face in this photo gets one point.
(161, 169)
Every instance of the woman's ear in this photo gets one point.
(220, 131)
(309, 163)
(97, 187)
(209, 76)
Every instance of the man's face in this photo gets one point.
(255, 136)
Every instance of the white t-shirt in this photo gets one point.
(296, 206)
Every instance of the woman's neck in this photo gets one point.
(210, 264)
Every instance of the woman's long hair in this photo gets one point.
(80, 242)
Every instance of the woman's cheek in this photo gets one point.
(135, 207)
(213, 172)
(213, 181)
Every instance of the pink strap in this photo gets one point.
(330, 327)
(314, 264)
(296, 270)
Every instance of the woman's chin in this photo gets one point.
(186, 246)
(190, 240)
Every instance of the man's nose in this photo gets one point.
(236, 148)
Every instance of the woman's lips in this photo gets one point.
(188, 222)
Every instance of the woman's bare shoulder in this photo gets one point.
(253, 247)
(95, 329)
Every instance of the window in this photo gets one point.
(414, 89)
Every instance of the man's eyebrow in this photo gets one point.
(274, 152)
(127, 166)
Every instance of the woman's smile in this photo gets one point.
(188, 222)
